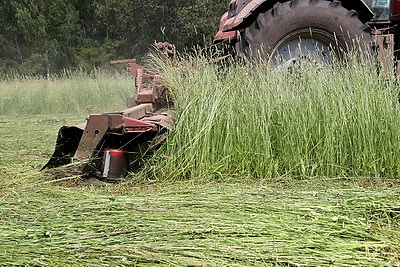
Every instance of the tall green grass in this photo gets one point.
(247, 120)
(72, 93)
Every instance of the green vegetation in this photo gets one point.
(78, 93)
(319, 221)
(252, 121)
(256, 171)
(46, 37)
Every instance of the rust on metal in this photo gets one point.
(385, 43)
(163, 119)
(221, 35)
(96, 127)
(136, 130)
(138, 112)
(137, 126)
(167, 52)
(146, 96)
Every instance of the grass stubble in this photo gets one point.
(254, 174)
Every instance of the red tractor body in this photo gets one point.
(250, 24)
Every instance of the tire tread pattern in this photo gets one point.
(265, 30)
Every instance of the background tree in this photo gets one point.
(41, 37)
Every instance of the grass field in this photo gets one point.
(294, 222)
(227, 212)
(71, 93)
(252, 121)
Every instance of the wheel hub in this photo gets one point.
(308, 46)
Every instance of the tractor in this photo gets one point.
(109, 145)
(284, 32)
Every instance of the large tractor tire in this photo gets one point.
(316, 30)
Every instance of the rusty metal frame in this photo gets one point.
(144, 119)
(385, 43)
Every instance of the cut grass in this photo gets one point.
(26, 143)
(211, 224)
(292, 222)
(234, 125)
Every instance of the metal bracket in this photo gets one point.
(385, 43)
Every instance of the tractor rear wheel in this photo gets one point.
(315, 30)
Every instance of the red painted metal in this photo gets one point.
(138, 129)
(146, 96)
(115, 152)
(162, 120)
(228, 24)
(137, 126)
(396, 10)
(221, 35)
(145, 80)
(96, 127)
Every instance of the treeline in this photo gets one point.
(41, 37)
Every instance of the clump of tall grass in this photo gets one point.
(78, 92)
(246, 120)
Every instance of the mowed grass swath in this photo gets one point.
(246, 120)
(70, 93)
(311, 222)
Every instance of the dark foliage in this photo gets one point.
(42, 37)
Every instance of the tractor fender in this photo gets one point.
(251, 8)
(222, 35)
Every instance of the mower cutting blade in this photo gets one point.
(109, 145)
(90, 143)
